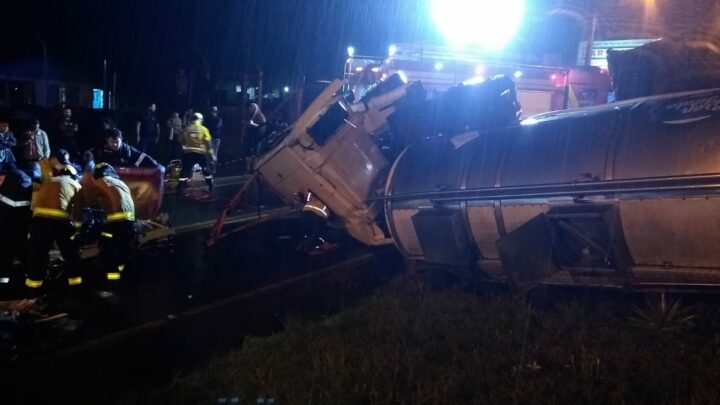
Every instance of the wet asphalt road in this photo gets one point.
(159, 283)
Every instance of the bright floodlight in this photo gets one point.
(518, 74)
(392, 50)
(438, 66)
(488, 23)
(286, 89)
(351, 51)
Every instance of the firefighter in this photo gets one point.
(15, 215)
(197, 149)
(314, 222)
(117, 153)
(117, 233)
(51, 223)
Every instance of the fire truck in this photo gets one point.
(540, 89)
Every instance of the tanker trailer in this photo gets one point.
(625, 195)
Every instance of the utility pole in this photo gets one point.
(114, 91)
(260, 88)
(590, 40)
(44, 100)
(243, 109)
(104, 82)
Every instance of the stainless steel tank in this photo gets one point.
(621, 195)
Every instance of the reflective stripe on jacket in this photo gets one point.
(113, 196)
(195, 139)
(55, 197)
(314, 205)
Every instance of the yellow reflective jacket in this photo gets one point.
(112, 195)
(55, 198)
(196, 139)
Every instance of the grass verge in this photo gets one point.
(411, 346)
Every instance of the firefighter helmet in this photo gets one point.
(104, 170)
(69, 171)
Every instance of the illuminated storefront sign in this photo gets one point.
(598, 55)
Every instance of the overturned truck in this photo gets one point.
(624, 195)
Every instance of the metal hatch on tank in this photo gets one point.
(624, 195)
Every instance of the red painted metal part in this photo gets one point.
(215, 232)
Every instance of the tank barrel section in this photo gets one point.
(688, 184)
(620, 196)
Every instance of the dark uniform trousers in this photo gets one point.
(189, 160)
(45, 231)
(14, 226)
(116, 242)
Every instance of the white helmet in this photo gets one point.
(197, 116)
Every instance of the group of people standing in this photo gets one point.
(189, 139)
(194, 138)
(151, 139)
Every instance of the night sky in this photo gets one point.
(146, 40)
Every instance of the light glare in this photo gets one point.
(351, 51)
(438, 66)
(403, 76)
(488, 23)
(474, 80)
(286, 89)
(518, 74)
(392, 50)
